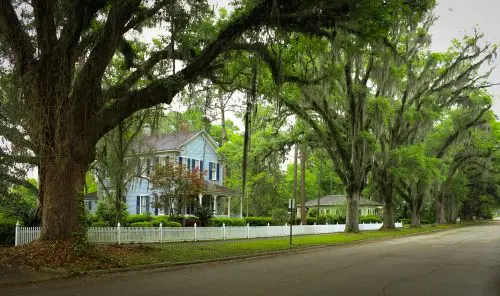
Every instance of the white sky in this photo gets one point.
(458, 17)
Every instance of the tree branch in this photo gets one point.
(11, 30)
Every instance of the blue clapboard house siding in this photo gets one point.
(194, 150)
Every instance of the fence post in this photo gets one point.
(315, 232)
(16, 240)
(119, 233)
(161, 232)
(194, 231)
(224, 231)
(248, 230)
(268, 229)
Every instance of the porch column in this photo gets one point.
(229, 206)
(215, 204)
(200, 199)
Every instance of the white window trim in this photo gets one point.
(214, 171)
(141, 197)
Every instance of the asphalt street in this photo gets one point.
(463, 261)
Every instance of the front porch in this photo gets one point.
(218, 199)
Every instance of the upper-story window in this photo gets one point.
(213, 171)
(156, 161)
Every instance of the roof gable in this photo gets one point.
(170, 142)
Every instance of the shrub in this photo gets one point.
(186, 221)
(106, 211)
(141, 224)
(138, 218)
(408, 221)
(370, 219)
(280, 216)
(7, 230)
(160, 219)
(217, 222)
(261, 221)
(204, 213)
(313, 212)
(99, 224)
(404, 220)
(91, 219)
(172, 224)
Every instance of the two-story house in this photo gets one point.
(195, 150)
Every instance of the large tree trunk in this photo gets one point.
(416, 209)
(303, 213)
(388, 198)
(63, 184)
(352, 219)
(440, 213)
(415, 217)
(451, 216)
(389, 215)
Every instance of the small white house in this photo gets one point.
(336, 205)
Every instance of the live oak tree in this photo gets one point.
(58, 52)
(414, 88)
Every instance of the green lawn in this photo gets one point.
(191, 251)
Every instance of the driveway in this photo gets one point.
(464, 261)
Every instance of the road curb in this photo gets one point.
(167, 266)
(176, 265)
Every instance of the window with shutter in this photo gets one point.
(209, 171)
(213, 171)
(218, 169)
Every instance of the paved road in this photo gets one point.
(463, 261)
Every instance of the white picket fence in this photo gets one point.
(161, 234)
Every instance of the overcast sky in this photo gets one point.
(458, 17)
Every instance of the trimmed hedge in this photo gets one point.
(160, 219)
(217, 222)
(186, 221)
(99, 224)
(408, 221)
(370, 219)
(172, 224)
(260, 221)
(141, 224)
(131, 219)
(7, 231)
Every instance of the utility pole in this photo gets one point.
(303, 184)
(319, 187)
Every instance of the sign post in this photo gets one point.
(291, 206)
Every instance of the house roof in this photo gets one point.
(91, 196)
(166, 142)
(214, 188)
(335, 200)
